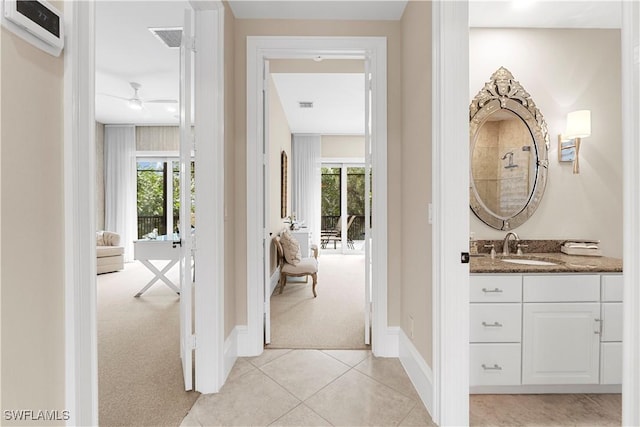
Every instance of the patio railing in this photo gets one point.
(356, 231)
(146, 224)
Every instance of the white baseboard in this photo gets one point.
(243, 344)
(547, 389)
(417, 369)
(388, 348)
(275, 277)
(230, 352)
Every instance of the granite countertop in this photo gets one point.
(483, 263)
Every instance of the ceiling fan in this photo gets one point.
(137, 103)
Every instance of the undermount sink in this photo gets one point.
(528, 261)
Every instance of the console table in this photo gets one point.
(163, 248)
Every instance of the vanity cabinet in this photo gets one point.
(545, 330)
(611, 338)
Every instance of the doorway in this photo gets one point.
(451, 356)
(261, 50)
(301, 136)
(80, 195)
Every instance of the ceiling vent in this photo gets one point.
(305, 104)
(170, 37)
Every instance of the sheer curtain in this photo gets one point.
(305, 181)
(120, 184)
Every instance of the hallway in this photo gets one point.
(312, 388)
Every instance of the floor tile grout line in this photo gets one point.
(388, 386)
(357, 371)
(276, 358)
(306, 406)
(304, 400)
(415, 404)
(325, 352)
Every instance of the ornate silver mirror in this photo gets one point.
(509, 146)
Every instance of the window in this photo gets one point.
(156, 180)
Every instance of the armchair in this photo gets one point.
(299, 267)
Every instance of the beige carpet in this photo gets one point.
(333, 320)
(139, 370)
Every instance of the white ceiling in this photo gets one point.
(545, 14)
(338, 101)
(359, 10)
(126, 51)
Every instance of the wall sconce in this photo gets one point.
(578, 126)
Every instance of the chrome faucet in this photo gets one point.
(505, 244)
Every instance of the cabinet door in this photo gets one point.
(561, 343)
(611, 321)
(611, 364)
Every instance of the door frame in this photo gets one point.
(451, 354)
(81, 353)
(259, 49)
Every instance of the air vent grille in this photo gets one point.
(170, 37)
(305, 104)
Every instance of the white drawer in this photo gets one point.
(611, 363)
(562, 288)
(492, 288)
(611, 321)
(612, 285)
(495, 322)
(494, 364)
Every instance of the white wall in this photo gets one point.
(563, 71)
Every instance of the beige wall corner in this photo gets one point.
(416, 279)
(32, 247)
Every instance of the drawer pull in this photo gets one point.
(495, 367)
(492, 291)
(492, 325)
(599, 331)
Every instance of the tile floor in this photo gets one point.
(312, 388)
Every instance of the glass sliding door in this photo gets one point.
(158, 196)
(343, 207)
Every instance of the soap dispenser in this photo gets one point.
(473, 244)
